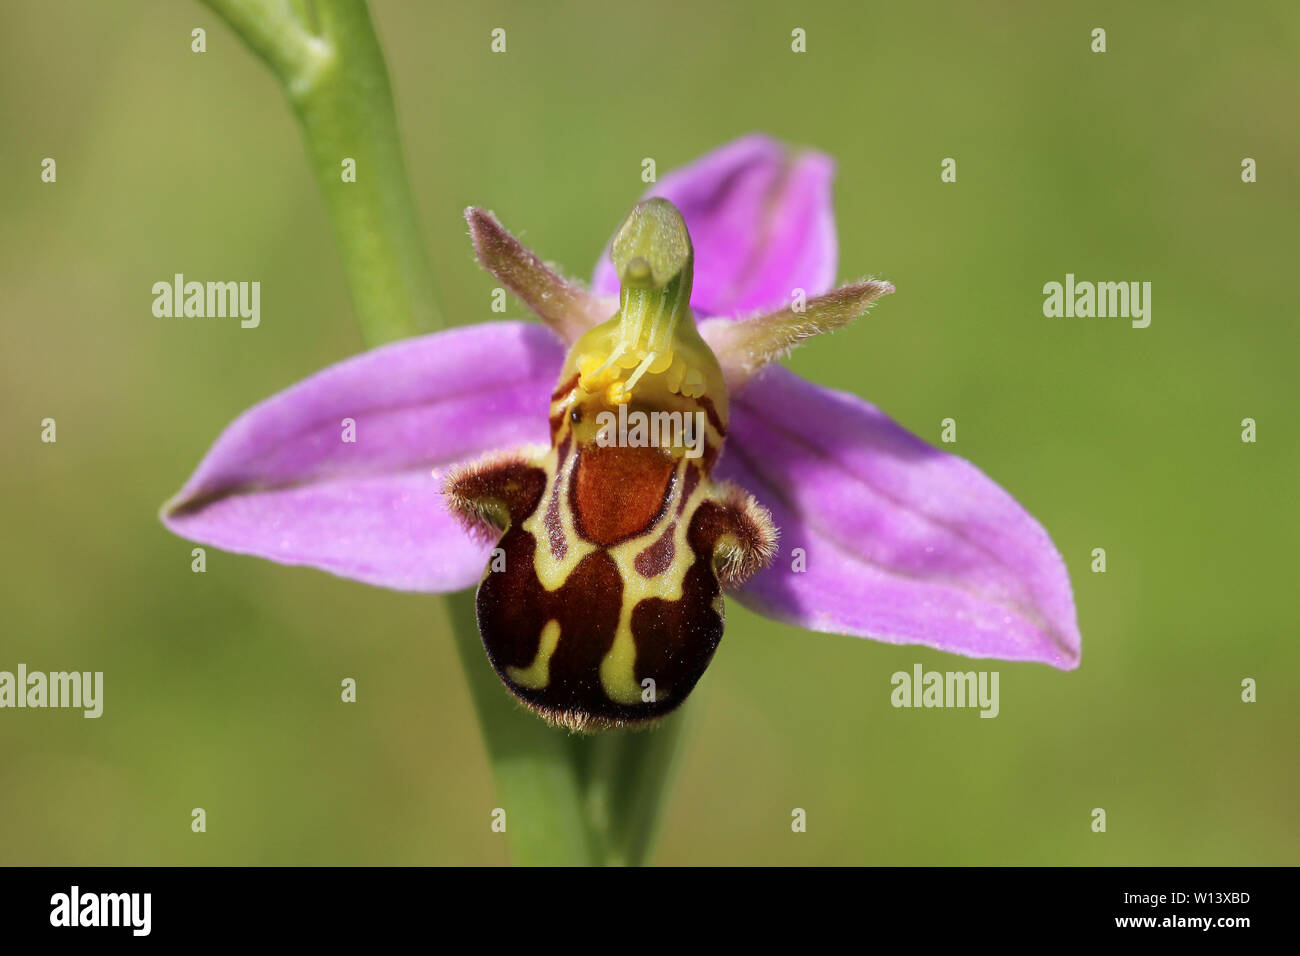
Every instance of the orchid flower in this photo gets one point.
(485, 454)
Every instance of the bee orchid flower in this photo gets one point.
(606, 476)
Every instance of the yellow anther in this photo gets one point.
(618, 394)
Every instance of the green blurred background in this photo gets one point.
(222, 688)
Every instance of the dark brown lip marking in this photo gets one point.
(565, 389)
(658, 557)
(514, 607)
(689, 481)
(711, 412)
(675, 640)
(554, 526)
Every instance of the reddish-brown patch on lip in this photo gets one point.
(616, 493)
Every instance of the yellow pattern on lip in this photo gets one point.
(538, 674)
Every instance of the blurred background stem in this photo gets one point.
(568, 799)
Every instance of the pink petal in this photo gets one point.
(761, 221)
(281, 483)
(904, 543)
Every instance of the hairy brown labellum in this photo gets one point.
(602, 605)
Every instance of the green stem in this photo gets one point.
(625, 776)
(328, 58)
(568, 799)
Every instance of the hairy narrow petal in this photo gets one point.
(284, 481)
(743, 348)
(760, 217)
(565, 306)
(901, 542)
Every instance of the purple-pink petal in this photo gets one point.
(761, 221)
(281, 483)
(904, 543)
